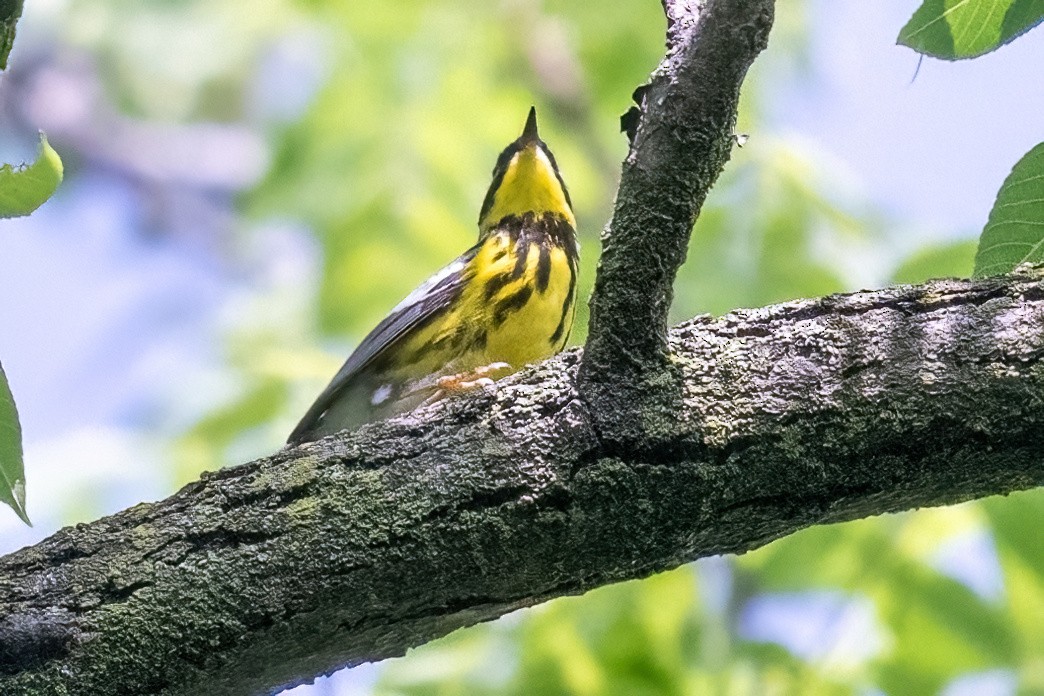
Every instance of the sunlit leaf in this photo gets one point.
(1015, 520)
(25, 188)
(12, 473)
(1014, 233)
(955, 29)
(1022, 588)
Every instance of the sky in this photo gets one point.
(929, 142)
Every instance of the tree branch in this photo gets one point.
(358, 547)
(682, 134)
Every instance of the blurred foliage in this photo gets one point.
(779, 248)
(384, 121)
(953, 30)
(642, 638)
(953, 260)
(938, 627)
(1014, 233)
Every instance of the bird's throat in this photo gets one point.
(530, 185)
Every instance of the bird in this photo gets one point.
(506, 302)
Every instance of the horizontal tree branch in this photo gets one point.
(362, 545)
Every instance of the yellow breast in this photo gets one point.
(530, 316)
(516, 308)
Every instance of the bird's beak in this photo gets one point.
(529, 133)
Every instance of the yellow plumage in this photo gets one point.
(509, 299)
(530, 183)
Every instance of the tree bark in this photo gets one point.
(682, 133)
(358, 547)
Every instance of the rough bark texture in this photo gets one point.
(683, 132)
(356, 548)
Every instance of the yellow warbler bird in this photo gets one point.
(507, 301)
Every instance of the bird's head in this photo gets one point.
(525, 180)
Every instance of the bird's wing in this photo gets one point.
(435, 294)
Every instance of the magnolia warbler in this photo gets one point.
(507, 301)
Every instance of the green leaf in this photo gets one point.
(10, 11)
(12, 475)
(1016, 525)
(956, 29)
(838, 555)
(949, 260)
(1014, 233)
(24, 189)
(941, 630)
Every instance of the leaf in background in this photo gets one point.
(12, 474)
(776, 245)
(204, 447)
(948, 260)
(1016, 526)
(1014, 233)
(24, 189)
(10, 11)
(941, 630)
(1015, 520)
(956, 29)
(839, 556)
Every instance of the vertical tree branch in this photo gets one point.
(682, 137)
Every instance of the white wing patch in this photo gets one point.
(380, 394)
(424, 288)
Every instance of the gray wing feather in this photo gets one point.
(432, 296)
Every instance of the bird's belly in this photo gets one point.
(483, 329)
(528, 334)
(525, 335)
